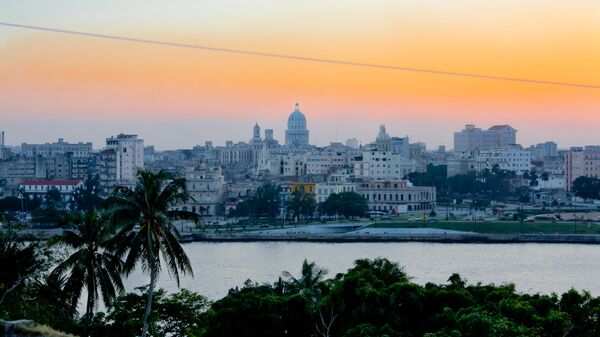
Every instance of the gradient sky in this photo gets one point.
(80, 88)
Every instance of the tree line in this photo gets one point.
(373, 298)
(266, 202)
(484, 186)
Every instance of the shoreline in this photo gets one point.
(435, 238)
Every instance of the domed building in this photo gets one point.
(296, 134)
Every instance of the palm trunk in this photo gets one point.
(89, 311)
(153, 277)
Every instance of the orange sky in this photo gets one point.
(46, 77)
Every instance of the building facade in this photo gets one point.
(129, 157)
(397, 196)
(206, 185)
(511, 158)
(58, 148)
(581, 162)
(39, 188)
(472, 138)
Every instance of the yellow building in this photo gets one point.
(304, 187)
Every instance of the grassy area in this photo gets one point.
(500, 227)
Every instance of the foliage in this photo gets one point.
(264, 203)
(150, 206)
(53, 199)
(309, 284)
(92, 264)
(301, 204)
(346, 204)
(587, 188)
(494, 184)
(87, 197)
(373, 298)
(176, 315)
(19, 262)
(258, 311)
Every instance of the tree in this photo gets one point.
(301, 204)
(309, 282)
(19, 262)
(265, 202)
(92, 264)
(149, 205)
(268, 200)
(587, 188)
(53, 198)
(545, 177)
(346, 204)
(175, 315)
(86, 197)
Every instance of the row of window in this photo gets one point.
(421, 196)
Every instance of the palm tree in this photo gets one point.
(92, 264)
(310, 280)
(149, 205)
(19, 261)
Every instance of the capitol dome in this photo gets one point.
(296, 133)
(297, 115)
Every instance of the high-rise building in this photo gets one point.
(125, 156)
(475, 139)
(296, 134)
(581, 162)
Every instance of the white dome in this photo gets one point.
(297, 115)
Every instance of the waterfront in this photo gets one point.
(532, 267)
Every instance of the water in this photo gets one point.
(543, 268)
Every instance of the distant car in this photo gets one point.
(376, 213)
(490, 219)
(529, 219)
(264, 226)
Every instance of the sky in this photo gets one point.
(86, 89)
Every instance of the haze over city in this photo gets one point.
(81, 88)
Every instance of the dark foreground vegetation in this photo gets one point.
(373, 298)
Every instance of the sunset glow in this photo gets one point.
(82, 80)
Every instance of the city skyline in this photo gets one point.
(279, 134)
(54, 85)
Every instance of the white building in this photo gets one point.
(39, 188)
(380, 162)
(330, 159)
(126, 156)
(473, 139)
(511, 158)
(397, 196)
(296, 134)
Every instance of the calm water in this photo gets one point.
(533, 268)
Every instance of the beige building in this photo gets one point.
(206, 185)
(581, 162)
(397, 196)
